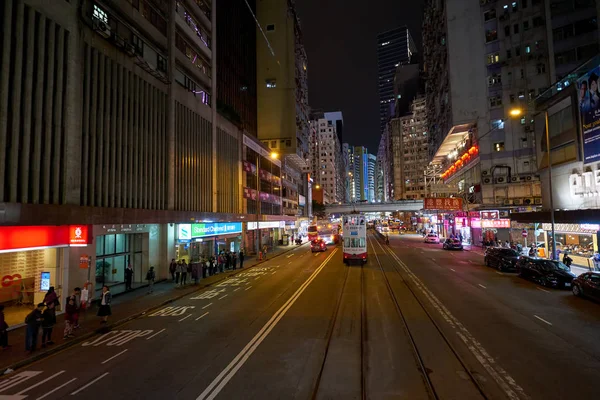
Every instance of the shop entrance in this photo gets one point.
(113, 253)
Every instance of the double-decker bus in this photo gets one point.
(323, 230)
(313, 232)
(355, 238)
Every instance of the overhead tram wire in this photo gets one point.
(262, 32)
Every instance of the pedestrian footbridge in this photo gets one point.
(400, 205)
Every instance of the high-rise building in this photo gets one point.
(348, 159)
(394, 47)
(372, 167)
(407, 84)
(383, 168)
(337, 119)
(361, 173)
(326, 157)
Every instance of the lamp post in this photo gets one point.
(515, 112)
(273, 156)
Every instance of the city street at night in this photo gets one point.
(304, 325)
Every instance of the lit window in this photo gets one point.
(499, 146)
(100, 14)
(527, 49)
(271, 83)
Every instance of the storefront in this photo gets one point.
(579, 240)
(270, 233)
(32, 259)
(462, 226)
(196, 242)
(489, 227)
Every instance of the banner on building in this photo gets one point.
(443, 204)
(588, 95)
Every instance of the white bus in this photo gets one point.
(355, 238)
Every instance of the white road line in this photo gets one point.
(499, 273)
(202, 316)
(273, 273)
(89, 384)
(289, 263)
(543, 320)
(248, 287)
(208, 305)
(225, 376)
(184, 318)
(17, 379)
(316, 255)
(543, 290)
(452, 270)
(115, 356)
(481, 285)
(289, 256)
(40, 383)
(156, 334)
(56, 389)
(237, 289)
(222, 297)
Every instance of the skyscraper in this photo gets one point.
(394, 47)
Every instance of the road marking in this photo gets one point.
(316, 255)
(40, 383)
(499, 273)
(156, 334)
(171, 311)
(89, 384)
(202, 316)
(543, 290)
(220, 298)
(18, 379)
(273, 273)
(452, 270)
(248, 287)
(291, 255)
(289, 263)
(184, 318)
(543, 320)
(225, 376)
(237, 289)
(209, 294)
(208, 305)
(118, 339)
(115, 356)
(56, 389)
(504, 380)
(471, 262)
(481, 285)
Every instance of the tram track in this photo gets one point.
(421, 363)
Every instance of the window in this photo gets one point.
(491, 35)
(585, 26)
(271, 28)
(271, 83)
(100, 14)
(161, 63)
(517, 51)
(527, 49)
(498, 124)
(495, 101)
(515, 8)
(494, 79)
(508, 54)
(524, 3)
(541, 69)
(522, 73)
(525, 144)
(138, 44)
(490, 14)
(525, 25)
(565, 57)
(155, 18)
(507, 30)
(586, 52)
(516, 28)
(499, 146)
(538, 21)
(492, 58)
(512, 98)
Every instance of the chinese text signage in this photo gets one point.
(443, 203)
(490, 215)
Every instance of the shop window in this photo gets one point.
(109, 244)
(100, 245)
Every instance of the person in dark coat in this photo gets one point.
(3, 330)
(104, 311)
(33, 321)
(48, 322)
(241, 257)
(51, 297)
(128, 276)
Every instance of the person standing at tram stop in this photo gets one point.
(150, 277)
(184, 272)
(3, 330)
(241, 257)
(128, 276)
(173, 268)
(33, 321)
(104, 311)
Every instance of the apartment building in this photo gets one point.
(326, 159)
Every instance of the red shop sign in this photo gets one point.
(24, 237)
(78, 235)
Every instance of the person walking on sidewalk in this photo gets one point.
(48, 322)
(194, 273)
(178, 275)
(234, 260)
(85, 297)
(150, 276)
(241, 258)
(51, 297)
(104, 311)
(128, 276)
(173, 268)
(3, 330)
(77, 298)
(184, 272)
(33, 321)
(70, 311)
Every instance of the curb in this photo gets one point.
(104, 329)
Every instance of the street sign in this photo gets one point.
(524, 233)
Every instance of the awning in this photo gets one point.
(588, 216)
(457, 134)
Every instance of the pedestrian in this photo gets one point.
(33, 321)
(48, 322)
(173, 268)
(184, 272)
(241, 256)
(77, 299)
(51, 297)
(234, 260)
(85, 297)
(104, 310)
(128, 276)
(70, 311)
(177, 272)
(228, 260)
(194, 272)
(3, 330)
(567, 260)
(150, 276)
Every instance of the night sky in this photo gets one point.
(340, 37)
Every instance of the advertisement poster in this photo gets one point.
(45, 282)
(588, 95)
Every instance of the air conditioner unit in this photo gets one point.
(500, 200)
(517, 202)
(500, 179)
(487, 181)
(504, 214)
(514, 179)
(101, 27)
(130, 49)
(536, 177)
(508, 202)
(485, 172)
(529, 178)
(537, 201)
(528, 201)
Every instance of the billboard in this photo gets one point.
(588, 96)
(443, 204)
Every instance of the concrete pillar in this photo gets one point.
(85, 124)
(58, 139)
(28, 96)
(4, 71)
(100, 130)
(107, 85)
(93, 128)
(114, 120)
(119, 138)
(171, 112)
(17, 59)
(213, 98)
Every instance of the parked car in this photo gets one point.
(545, 272)
(452, 244)
(318, 245)
(432, 238)
(587, 285)
(501, 258)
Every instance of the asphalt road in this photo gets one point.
(415, 322)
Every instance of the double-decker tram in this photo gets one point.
(355, 238)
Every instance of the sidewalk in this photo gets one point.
(125, 307)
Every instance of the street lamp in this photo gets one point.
(515, 112)
(273, 156)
